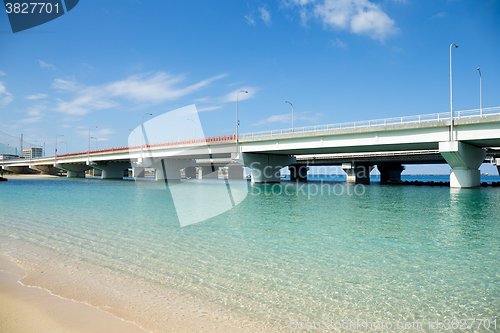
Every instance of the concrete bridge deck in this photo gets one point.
(411, 140)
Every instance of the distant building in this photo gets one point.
(8, 157)
(32, 152)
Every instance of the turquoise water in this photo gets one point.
(287, 251)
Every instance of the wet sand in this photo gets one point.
(47, 292)
(26, 309)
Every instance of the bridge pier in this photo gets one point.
(465, 161)
(45, 169)
(235, 171)
(390, 172)
(94, 172)
(357, 172)
(18, 169)
(498, 165)
(112, 170)
(266, 167)
(190, 172)
(298, 172)
(209, 172)
(167, 169)
(138, 172)
(73, 170)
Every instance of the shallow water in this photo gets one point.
(288, 251)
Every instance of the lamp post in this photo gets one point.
(193, 126)
(135, 136)
(66, 146)
(55, 152)
(88, 151)
(96, 148)
(237, 120)
(451, 95)
(292, 112)
(480, 94)
(142, 131)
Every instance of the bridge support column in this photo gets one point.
(112, 170)
(298, 172)
(168, 169)
(190, 172)
(358, 172)
(73, 170)
(18, 169)
(94, 172)
(209, 172)
(465, 161)
(137, 172)
(265, 167)
(45, 169)
(390, 172)
(235, 172)
(498, 165)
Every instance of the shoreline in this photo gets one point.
(99, 295)
(31, 309)
(28, 176)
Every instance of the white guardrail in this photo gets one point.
(425, 118)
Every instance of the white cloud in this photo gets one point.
(102, 134)
(2, 73)
(65, 85)
(155, 88)
(30, 120)
(356, 16)
(144, 88)
(209, 108)
(438, 15)
(287, 118)
(5, 96)
(231, 97)
(250, 19)
(265, 15)
(338, 43)
(35, 114)
(282, 118)
(87, 100)
(46, 65)
(37, 96)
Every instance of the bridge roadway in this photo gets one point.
(417, 139)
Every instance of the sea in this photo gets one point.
(323, 255)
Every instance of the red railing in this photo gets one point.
(156, 145)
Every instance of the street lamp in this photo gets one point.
(66, 147)
(88, 151)
(480, 94)
(292, 112)
(237, 120)
(142, 131)
(96, 148)
(135, 136)
(451, 95)
(193, 126)
(55, 155)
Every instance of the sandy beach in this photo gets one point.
(28, 176)
(27, 309)
(45, 292)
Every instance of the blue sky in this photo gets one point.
(107, 62)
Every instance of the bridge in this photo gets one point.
(357, 146)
